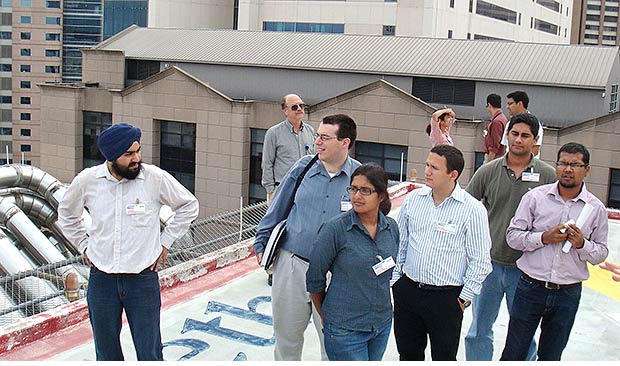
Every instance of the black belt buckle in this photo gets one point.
(551, 285)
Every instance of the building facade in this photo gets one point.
(211, 141)
(544, 21)
(595, 22)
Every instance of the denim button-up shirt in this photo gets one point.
(317, 200)
(357, 299)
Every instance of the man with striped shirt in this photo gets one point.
(442, 260)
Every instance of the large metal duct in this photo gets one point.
(32, 178)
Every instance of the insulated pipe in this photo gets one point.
(27, 176)
(12, 262)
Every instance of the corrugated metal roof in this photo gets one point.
(524, 63)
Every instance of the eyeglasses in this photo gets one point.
(324, 137)
(295, 107)
(364, 191)
(564, 165)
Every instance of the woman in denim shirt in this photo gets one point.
(358, 247)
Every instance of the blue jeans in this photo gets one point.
(485, 308)
(138, 294)
(352, 345)
(557, 310)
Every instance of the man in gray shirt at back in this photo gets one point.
(285, 143)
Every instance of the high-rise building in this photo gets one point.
(541, 21)
(595, 22)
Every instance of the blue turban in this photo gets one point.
(117, 139)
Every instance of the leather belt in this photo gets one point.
(550, 285)
(303, 259)
(426, 286)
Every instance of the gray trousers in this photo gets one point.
(292, 308)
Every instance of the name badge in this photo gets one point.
(449, 228)
(530, 177)
(136, 208)
(384, 265)
(345, 206)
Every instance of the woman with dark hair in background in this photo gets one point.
(439, 129)
(358, 247)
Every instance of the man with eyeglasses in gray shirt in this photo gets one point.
(285, 143)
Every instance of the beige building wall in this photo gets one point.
(104, 67)
(30, 40)
(384, 114)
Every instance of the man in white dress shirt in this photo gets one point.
(124, 246)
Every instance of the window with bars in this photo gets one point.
(445, 91)
(613, 98)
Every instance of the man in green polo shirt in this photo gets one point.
(500, 184)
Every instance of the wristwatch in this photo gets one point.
(465, 303)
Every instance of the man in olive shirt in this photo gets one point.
(500, 184)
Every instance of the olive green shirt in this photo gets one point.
(496, 185)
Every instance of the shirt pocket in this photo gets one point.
(146, 218)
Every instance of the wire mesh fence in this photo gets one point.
(26, 293)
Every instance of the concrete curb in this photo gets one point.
(38, 326)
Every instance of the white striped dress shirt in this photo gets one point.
(444, 245)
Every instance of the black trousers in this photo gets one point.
(426, 311)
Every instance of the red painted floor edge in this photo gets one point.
(81, 333)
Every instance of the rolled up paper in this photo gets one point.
(583, 217)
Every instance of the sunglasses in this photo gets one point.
(295, 107)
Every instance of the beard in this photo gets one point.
(127, 173)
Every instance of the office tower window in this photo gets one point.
(25, 148)
(24, 100)
(303, 27)
(82, 28)
(24, 52)
(52, 4)
(25, 3)
(25, 36)
(496, 12)
(6, 131)
(546, 27)
(24, 68)
(119, 14)
(178, 152)
(257, 191)
(52, 20)
(50, 69)
(389, 30)
(6, 4)
(25, 84)
(452, 4)
(613, 101)
(447, 91)
(449, 33)
(386, 155)
(25, 116)
(613, 200)
(25, 19)
(52, 36)
(6, 67)
(52, 53)
(24, 132)
(94, 124)
(6, 84)
(140, 70)
(6, 35)
(550, 4)
(6, 99)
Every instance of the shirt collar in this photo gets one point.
(319, 168)
(532, 163)
(355, 221)
(103, 172)
(289, 126)
(583, 195)
(458, 193)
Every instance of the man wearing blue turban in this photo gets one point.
(124, 246)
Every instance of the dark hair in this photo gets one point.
(428, 129)
(527, 118)
(519, 96)
(346, 126)
(575, 148)
(379, 179)
(494, 100)
(454, 158)
(443, 115)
